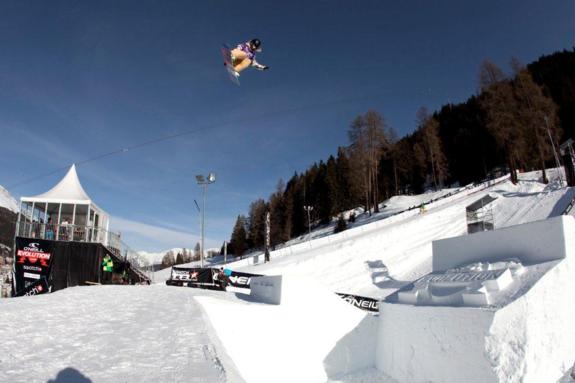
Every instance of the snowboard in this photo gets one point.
(227, 56)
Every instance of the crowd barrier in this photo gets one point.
(207, 278)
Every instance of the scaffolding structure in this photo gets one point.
(480, 214)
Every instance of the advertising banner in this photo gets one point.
(241, 280)
(38, 287)
(189, 274)
(364, 303)
(199, 276)
(33, 261)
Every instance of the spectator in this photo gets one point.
(222, 279)
(64, 230)
(50, 230)
(422, 209)
(107, 268)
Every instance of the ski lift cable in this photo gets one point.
(286, 111)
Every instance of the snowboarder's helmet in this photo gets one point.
(255, 45)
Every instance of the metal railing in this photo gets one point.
(66, 232)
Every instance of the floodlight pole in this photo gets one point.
(204, 183)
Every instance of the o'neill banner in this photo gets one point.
(32, 264)
(241, 280)
(204, 278)
(364, 303)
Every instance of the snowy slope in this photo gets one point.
(159, 333)
(376, 258)
(7, 201)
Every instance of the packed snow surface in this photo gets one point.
(110, 334)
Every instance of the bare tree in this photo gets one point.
(434, 159)
(368, 140)
(489, 74)
(500, 105)
(537, 114)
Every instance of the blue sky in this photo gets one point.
(79, 79)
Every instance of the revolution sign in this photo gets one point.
(32, 263)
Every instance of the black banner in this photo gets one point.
(364, 303)
(241, 280)
(198, 276)
(33, 261)
(36, 288)
(184, 280)
(189, 274)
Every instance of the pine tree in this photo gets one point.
(179, 259)
(257, 219)
(295, 191)
(239, 236)
(333, 197)
(280, 220)
(347, 189)
(197, 252)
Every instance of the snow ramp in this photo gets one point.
(311, 336)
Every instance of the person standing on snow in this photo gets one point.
(222, 279)
(244, 55)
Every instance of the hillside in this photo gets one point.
(376, 258)
(7, 201)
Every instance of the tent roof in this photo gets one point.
(68, 190)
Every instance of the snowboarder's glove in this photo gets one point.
(260, 66)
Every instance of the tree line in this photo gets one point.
(514, 122)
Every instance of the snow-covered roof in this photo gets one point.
(68, 190)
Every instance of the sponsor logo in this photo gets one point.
(31, 268)
(33, 256)
(33, 246)
(368, 304)
(31, 276)
(35, 291)
(180, 275)
(244, 281)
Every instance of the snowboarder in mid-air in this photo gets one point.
(243, 56)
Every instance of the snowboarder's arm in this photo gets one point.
(259, 66)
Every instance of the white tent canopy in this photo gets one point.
(68, 190)
(67, 203)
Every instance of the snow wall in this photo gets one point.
(306, 334)
(531, 339)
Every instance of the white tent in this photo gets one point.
(65, 212)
